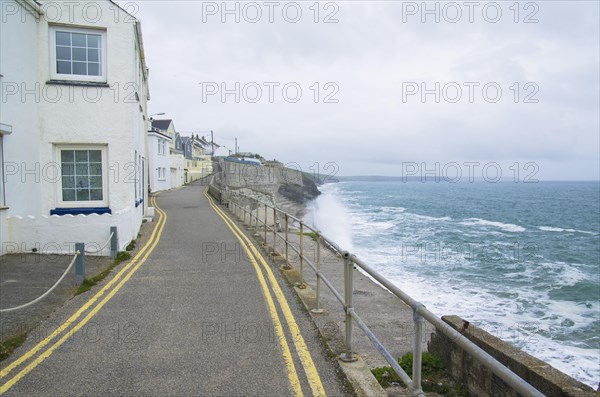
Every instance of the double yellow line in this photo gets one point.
(255, 257)
(73, 324)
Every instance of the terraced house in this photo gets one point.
(74, 121)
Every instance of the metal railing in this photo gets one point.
(250, 215)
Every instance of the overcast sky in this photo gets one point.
(502, 84)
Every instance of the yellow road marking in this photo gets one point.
(309, 367)
(287, 355)
(147, 249)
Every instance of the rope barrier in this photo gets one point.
(45, 293)
(103, 246)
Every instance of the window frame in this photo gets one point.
(77, 77)
(83, 204)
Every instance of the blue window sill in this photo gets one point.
(80, 211)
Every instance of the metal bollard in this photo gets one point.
(114, 242)
(348, 356)
(80, 263)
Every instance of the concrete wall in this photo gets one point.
(50, 114)
(263, 178)
(482, 383)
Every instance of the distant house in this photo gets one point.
(73, 126)
(166, 159)
(198, 164)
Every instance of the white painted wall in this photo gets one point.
(159, 160)
(177, 167)
(110, 116)
(18, 66)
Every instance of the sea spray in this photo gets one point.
(331, 218)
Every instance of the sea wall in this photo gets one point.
(286, 188)
(481, 382)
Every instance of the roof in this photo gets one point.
(157, 132)
(162, 124)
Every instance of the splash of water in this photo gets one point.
(330, 217)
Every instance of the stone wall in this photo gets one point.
(481, 382)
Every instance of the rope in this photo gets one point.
(45, 293)
(103, 246)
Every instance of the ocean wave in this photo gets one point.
(560, 230)
(508, 227)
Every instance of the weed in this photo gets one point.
(435, 378)
(8, 346)
(88, 283)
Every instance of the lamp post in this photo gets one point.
(155, 114)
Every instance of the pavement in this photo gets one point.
(24, 277)
(194, 313)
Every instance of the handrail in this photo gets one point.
(420, 312)
(39, 298)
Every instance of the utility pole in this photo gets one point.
(236, 147)
(212, 143)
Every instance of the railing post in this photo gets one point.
(256, 220)
(301, 284)
(274, 229)
(287, 240)
(318, 309)
(348, 356)
(265, 225)
(80, 263)
(114, 242)
(417, 348)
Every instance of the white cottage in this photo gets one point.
(74, 105)
(165, 156)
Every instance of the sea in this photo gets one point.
(520, 260)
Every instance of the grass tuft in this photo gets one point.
(88, 283)
(8, 346)
(435, 378)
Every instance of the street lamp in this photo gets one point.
(155, 114)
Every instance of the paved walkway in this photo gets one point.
(194, 313)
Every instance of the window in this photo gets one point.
(162, 173)
(78, 54)
(162, 146)
(83, 176)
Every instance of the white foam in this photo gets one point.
(331, 217)
(508, 227)
(560, 229)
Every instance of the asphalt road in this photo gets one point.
(192, 319)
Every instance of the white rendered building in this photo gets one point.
(74, 99)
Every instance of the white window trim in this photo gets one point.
(73, 77)
(83, 204)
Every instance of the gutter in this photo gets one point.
(32, 6)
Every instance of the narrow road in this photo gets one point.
(195, 313)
